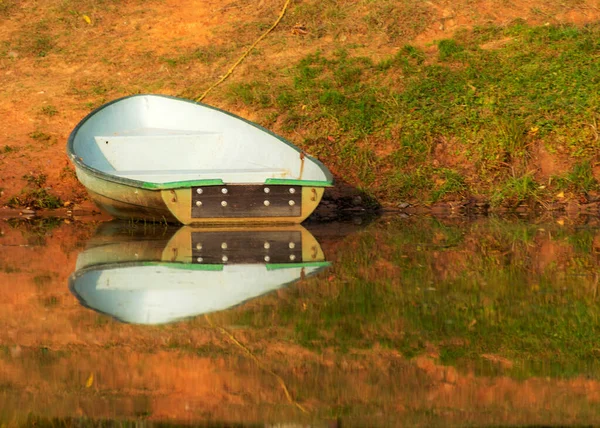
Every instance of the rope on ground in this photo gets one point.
(230, 71)
(258, 363)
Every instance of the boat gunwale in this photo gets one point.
(186, 183)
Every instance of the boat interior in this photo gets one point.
(144, 155)
(158, 139)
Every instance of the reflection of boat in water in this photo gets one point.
(166, 275)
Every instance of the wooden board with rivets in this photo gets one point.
(246, 201)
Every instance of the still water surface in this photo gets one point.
(403, 321)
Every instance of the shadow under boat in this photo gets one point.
(162, 275)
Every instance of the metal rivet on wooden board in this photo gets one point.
(223, 203)
(198, 203)
(224, 191)
(198, 246)
(224, 245)
(267, 190)
(292, 245)
(292, 190)
(292, 257)
(199, 259)
(267, 203)
(292, 203)
(267, 246)
(267, 259)
(224, 258)
(199, 191)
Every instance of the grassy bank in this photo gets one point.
(504, 114)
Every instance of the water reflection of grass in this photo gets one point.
(473, 295)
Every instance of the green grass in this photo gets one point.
(516, 190)
(580, 179)
(42, 137)
(49, 110)
(8, 149)
(35, 198)
(497, 105)
(34, 195)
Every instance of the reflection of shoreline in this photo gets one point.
(161, 275)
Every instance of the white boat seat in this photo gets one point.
(249, 175)
(166, 156)
(161, 150)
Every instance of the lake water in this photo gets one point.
(397, 321)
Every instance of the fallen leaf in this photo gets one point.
(90, 381)
(87, 19)
(560, 195)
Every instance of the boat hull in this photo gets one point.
(179, 205)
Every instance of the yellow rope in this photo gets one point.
(258, 363)
(230, 71)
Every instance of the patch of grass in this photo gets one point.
(251, 93)
(539, 84)
(332, 90)
(42, 137)
(580, 179)
(513, 139)
(449, 182)
(35, 195)
(8, 149)
(37, 180)
(41, 45)
(49, 110)
(43, 279)
(67, 172)
(449, 49)
(516, 190)
(409, 184)
(36, 198)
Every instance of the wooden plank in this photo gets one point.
(238, 201)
